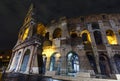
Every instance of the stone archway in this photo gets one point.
(117, 61)
(92, 62)
(25, 60)
(98, 37)
(57, 33)
(55, 62)
(104, 65)
(86, 37)
(15, 62)
(111, 37)
(73, 65)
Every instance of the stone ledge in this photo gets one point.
(50, 73)
(83, 74)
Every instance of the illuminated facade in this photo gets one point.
(68, 46)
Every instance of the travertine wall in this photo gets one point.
(70, 40)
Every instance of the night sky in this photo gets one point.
(12, 13)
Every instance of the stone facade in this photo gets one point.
(68, 46)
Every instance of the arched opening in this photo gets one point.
(104, 65)
(95, 25)
(25, 61)
(98, 37)
(92, 61)
(73, 35)
(74, 39)
(111, 37)
(57, 33)
(86, 37)
(55, 62)
(73, 62)
(117, 61)
(15, 62)
(25, 34)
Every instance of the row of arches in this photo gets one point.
(86, 37)
(104, 64)
(110, 36)
(73, 63)
(16, 61)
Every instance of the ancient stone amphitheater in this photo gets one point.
(85, 48)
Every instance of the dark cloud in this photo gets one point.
(12, 13)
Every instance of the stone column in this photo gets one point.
(114, 68)
(21, 58)
(30, 58)
(63, 60)
(34, 62)
(108, 48)
(112, 62)
(40, 60)
(94, 48)
(47, 64)
(103, 32)
(117, 36)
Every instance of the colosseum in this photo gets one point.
(85, 46)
